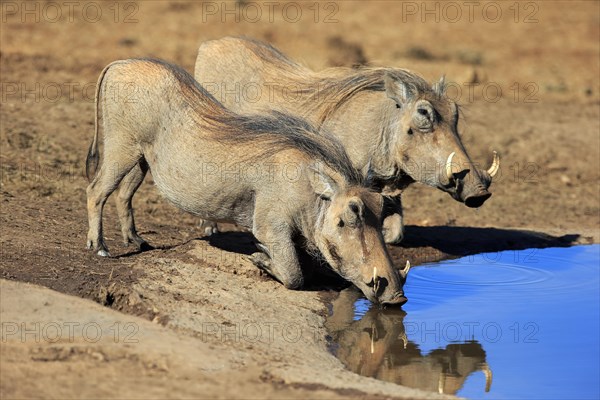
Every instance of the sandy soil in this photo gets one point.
(196, 304)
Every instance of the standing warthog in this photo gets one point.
(391, 117)
(273, 174)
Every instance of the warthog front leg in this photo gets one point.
(278, 257)
(129, 185)
(261, 259)
(393, 222)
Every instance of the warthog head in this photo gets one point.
(348, 235)
(427, 145)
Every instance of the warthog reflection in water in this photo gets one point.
(376, 345)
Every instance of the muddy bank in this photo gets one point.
(72, 348)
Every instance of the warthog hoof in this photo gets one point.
(138, 242)
(103, 253)
(261, 260)
(210, 228)
(99, 248)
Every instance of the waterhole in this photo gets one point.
(507, 325)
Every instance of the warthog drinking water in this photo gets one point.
(273, 174)
(392, 118)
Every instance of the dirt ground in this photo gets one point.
(194, 318)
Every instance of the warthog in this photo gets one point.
(390, 117)
(273, 174)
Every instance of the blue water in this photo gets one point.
(532, 316)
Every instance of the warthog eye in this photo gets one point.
(424, 117)
(341, 223)
(398, 105)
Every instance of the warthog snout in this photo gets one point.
(478, 199)
(399, 299)
(387, 288)
(471, 185)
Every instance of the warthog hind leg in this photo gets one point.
(117, 163)
(129, 185)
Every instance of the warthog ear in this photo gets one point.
(440, 86)
(322, 183)
(368, 173)
(396, 89)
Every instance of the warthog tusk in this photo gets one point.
(404, 272)
(372, 346)
(449, 173)
(375, 280)
(488, 376)
(495, 165)
(404, 339)
(372, 338)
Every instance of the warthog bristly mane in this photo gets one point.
(277, 130)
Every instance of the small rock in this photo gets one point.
(98, 356)
(127, 42)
